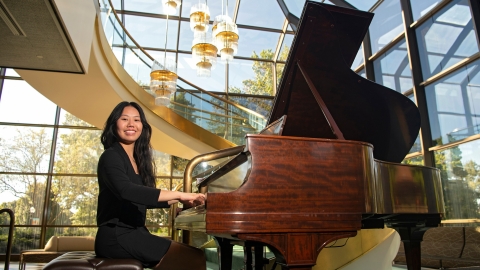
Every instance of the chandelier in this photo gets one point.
(199, 18)
(226, 37)
(163, 77)
(170, 6)
(204, 53)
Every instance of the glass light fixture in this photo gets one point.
(163, 81)
(170, 6)
(199, 17)
(204, 53)
(226, 37)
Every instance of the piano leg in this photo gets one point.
(225, 251)
(412, 237)
(255, 262)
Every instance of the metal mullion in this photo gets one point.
(387, 47)
(2, 78)
(367, 53)
(418, 89)
(49, 179)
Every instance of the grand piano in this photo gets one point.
(327, 165)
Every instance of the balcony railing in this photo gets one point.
(207, 110)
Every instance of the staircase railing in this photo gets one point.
(211, 112)
(10, 236)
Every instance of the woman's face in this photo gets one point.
(129, 125)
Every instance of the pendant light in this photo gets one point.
(225, 33)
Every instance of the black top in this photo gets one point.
(123, 199)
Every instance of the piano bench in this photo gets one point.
(86, 260)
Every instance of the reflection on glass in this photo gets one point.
(280, 68)
(459, 172)
(386, 24)
(454, 105)
(417, 146)
(78, 151)
(418, 160)
(25, 195)
(420, 8)
(446, 38)
(392, 69)
(358, 58)
(252, 12)
(23, 104)
(25, 149)
(258, 44)
(73, 200)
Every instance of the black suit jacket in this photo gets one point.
(122, 198)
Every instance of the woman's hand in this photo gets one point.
(193, 199)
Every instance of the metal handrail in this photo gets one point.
(10, 236)
(181, 79)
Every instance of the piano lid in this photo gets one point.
(324, 98)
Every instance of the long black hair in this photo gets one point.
(142, 152)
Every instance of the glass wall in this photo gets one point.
(48, 166)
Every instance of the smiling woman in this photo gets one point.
(126, 179)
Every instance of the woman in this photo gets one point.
(126, 179)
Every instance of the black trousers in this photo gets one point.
(117, 242)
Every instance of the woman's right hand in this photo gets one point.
(193, 199)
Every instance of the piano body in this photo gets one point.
(327, 165)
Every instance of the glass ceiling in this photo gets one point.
(265, 34)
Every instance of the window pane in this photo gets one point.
(260, 105)
(73, 201)
(162, 163)
(21, 103)
(358, 58)
(362, 73)
(179, 165)
(386, 24)
(69, 119)
(251, 77)
(151, 32)
(392, 69)
(25, 195)
(454, 105)
(149, 6)
(187, 70)
(252, 12)
(11, 72)
(25, 238)
(286, 46)
(78, 151)
(25, 149)
(459, 172)
(420, 8)
(259, 44)
(70, 231)
(418, 160)
(446, 38)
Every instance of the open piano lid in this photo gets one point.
(324, 98)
